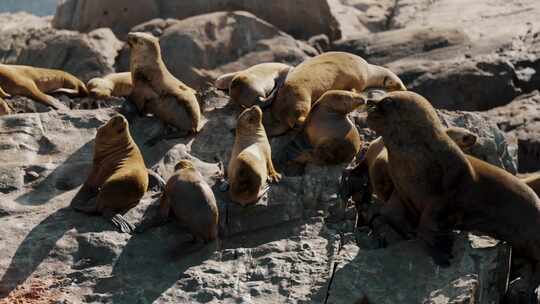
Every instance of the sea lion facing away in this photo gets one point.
(250, 165)
(118, 179)
(444, 189)
(116, 84)
(192, 201)
(333, 138)
(313, 77)
(253, 85)
(36, 83)
(157, 91)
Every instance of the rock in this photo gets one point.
(474, 84)
(388, 46)
(375, 15)
(279, 249)
(122, 15)
(415, 279)
(29, 40)
(519, 120)
(219, 43)
(84, 55)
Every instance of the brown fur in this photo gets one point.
(156, 90)
(313, 77)
(36, 83)
(116, 84)
(377, 161)
(252, 85)
(330, 132)
(192, 201)
(533, 181)
(250, 165)
(442, 189)
(118, 176)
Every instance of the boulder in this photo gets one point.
(122, 15)
(30, 40)
(218, 43)
(519, 121)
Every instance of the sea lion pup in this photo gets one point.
(36, 83)
(118, 179)
(157, 91)
(251, 164)
(309, 80)
(192, 201)
(332, 136)
(443, 189)
(251, 86)
(377, 160)
(116, 84)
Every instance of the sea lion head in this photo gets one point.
(114, 133)
(391, 82)
(144, 47)
(183, 164)
(245, 92)
(464, 138)
(342, 101)
(402, 114)
(100, 88)
(250, 119)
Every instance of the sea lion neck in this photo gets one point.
(376, 75)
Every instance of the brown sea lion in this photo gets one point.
(377, 160)
(251, 86)
(192, 201)
(112, 85)
(250, 165)
(442, 189)
(118, 179)
(157, 91)
(309, 80)
(36, 83)
(533, 181)
(332, 136)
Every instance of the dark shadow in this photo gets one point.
(41, 240)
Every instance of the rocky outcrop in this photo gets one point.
(281, 248)
(230, 41)
(29, 40)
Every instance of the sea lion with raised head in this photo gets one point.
(308, 81)
(331, 135)
(192, 202)
(112, 85)
(250, 165)
(118, 179)
(253, 85)
(157, 91)
(441, 188)
(36, 83)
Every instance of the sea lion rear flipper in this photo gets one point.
(436, 236)
(118, 221)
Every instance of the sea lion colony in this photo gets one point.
(420, 171)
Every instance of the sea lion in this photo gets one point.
(332, 136)
(116, 84)
(251, 86)
(192, 201)
(443, 189)
(309, 80)
(36, 83)
(157, 91)
(377, 160)
(533, 181)
(5, 109)
(118, 179)
(250, 165)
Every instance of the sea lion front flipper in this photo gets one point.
(89, 206)
(435, 235)
(224, 81)
(155, 181)
(118, 221)
(70, 92)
